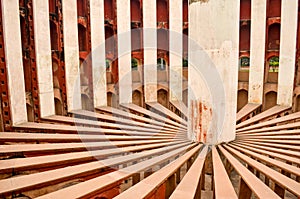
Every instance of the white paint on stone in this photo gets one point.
(213, 70)
(257, 50)
(43, 57)
(175, 50)
(288, 39)
(98, 52)
(150, 51)
(124, 51)
(71, 50)
(13, 59)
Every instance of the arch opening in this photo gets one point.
(270, 100)
(86, 102)
(137, 98)
(163, 97)
(58, 107)
(242, 99)
(30, 113)
(111, 99)
(273, 68)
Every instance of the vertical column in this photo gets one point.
(213, 70)
(257, 49)
(175, 50)
(43, 57)
(98, 52)
(13, 58)
(288, 38)
(71, 50)
(124, 51)
(150, 50)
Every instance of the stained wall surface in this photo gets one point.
(213, 70)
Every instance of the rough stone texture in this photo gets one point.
(124, 51)
(288, 37)
(98, 52)
(213, 69)
(43, 57)
(257, 48)
(201, 1)
(13, 58)
(175, 64)
(150, 51)
(71, 49)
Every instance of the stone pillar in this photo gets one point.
(175, 65)
(288, 39)
(13, 59)
(150, 51)
(71, 50)
(43, 56)
(213, 70)
(124, 51)
(98, 52)
(257, 49)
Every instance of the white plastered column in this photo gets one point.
(288, 39)
(13, 59)
(124, 51)
(175, 65)
(71, 50)
(98, 52)
(150, 51)
(213, 70)
(257, 49)
(43, 57)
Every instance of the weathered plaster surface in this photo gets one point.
(195, 1)
(213, 69)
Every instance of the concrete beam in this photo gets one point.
(13, 59)
(43, 57)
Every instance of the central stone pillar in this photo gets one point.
(213, 69)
